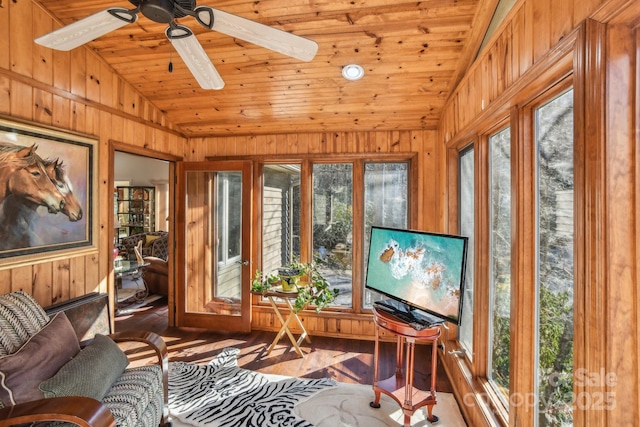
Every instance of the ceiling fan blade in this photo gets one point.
(194, 56)
(87, 29)
(257, 33)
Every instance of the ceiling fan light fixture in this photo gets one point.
(182, 38)
(352, 72)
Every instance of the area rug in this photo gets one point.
(126, 309)
(348, 406)
(222, 394)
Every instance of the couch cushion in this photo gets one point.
(37, 360)
(21, 317)
(91, 373)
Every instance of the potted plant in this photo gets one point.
(312, 288)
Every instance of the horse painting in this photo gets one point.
(21, 224)
(18, 215)
(47, 183)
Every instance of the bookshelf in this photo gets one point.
(135, 210)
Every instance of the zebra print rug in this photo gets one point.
(222, 394)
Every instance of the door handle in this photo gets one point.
(243, 262)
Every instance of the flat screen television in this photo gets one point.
(418, 269)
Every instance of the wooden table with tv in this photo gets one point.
(400, 385)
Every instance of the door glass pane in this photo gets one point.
(213, 237)
(467, 228)
(332, 226)
(228, 221)
(281, 216)
(500, 260)
(385, 204)
(555, 267)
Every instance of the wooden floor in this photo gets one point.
(345, 360)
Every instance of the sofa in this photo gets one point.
(154, 244)
(155, 252)
(46, 376)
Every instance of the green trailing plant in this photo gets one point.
(312, 288)
(261, 283)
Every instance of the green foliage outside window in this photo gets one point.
(501, 338)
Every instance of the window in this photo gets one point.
(555, 259)
(467, 228)
(229, 190)
(333, 226)
(385, 204)
(500, 259)
(324, 231)
(280, 216)
(528, 286)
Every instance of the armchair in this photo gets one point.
(47, 377)
(154, 243)
(155, 251)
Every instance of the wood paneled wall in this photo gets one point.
(73, 91)
(607, 319)
(530, 32)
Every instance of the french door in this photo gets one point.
(213, 234)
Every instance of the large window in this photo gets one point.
(280, 216)
(333, 226)
(500, 260)
(525, 191)
(555, 263)
(385, 204)
(466, 212)
(324, 231)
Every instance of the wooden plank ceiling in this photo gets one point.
(414, 53)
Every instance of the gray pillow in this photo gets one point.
(91, 373)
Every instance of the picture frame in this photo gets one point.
(48, 190)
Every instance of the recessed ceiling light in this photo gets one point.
(352, 72)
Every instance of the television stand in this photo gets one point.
(400, 386)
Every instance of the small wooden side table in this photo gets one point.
(276, 292)
(400, 386)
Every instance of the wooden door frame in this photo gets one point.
(172, 160)
(201, 319)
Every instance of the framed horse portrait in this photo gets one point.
(48, 182)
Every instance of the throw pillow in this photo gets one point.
(148, 240)
(91, 373)
(37, 360)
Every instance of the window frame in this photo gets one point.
(529, 120)
(465, 150)
(491, 291)
(364, 260)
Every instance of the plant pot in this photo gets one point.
(289, 278)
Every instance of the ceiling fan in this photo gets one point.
(180, 36)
